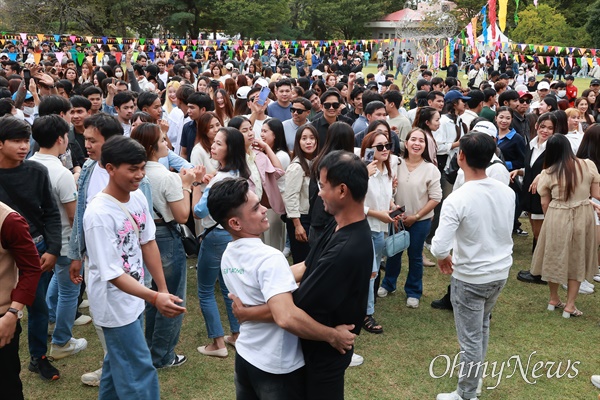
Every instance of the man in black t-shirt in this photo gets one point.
(335, 285)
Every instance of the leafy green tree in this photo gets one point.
(545, 25)
(592, 26)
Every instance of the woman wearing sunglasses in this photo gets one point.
(419, 191)
(375, 151)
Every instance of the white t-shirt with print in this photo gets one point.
(113, 249)
(256, 272)
(64, 191)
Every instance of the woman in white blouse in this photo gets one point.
(375, 151)
(419, 192)
(171, 195)
(295, 196)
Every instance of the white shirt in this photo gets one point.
(166, 188)
(495, 171)
(575, 139)
(476, 222)
(64, 191)
(113, 248)
(176, 120)
(255, 273)
(537, 150)
(200, 156)
(378, 198)
(98, 181)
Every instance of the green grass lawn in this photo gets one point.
(397, 363)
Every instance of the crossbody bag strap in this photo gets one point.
(125, 210)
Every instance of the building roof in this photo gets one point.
(405, 14)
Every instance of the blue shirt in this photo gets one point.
(188, 137)
(274, 110)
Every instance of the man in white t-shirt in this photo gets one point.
(119, 240)
(482, 255)
(269, 355)
(51, 133)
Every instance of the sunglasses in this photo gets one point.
(380, 147)
(297, 110)
(330, 105)
(525, 101)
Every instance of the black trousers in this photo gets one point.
(252, 383)
(325, 370)
(298, 249)
(10, 368)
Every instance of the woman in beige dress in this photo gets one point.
(566, 249)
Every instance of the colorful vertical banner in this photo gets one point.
(484, 25)
(516, 11)
(502, 14)
(470, 33)
(474, 27)
(492, 17)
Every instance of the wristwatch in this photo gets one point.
(196, 184)
(18, 313)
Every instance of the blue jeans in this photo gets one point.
(209, 270)
(414, 281)
(127, 371)
(473, 305)
(162, 333)
(62, 300)
(378, 243)
(37, 323)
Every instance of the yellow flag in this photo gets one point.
(502, 14)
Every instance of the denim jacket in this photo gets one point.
(77, 241)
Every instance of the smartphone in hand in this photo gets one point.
(369, 154)
(263, 96)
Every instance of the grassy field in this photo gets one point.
(397, 363)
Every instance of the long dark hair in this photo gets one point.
(340, 136)
(227, 111)
(423, 115)
(425, 154)
(148, 135)
(276, 126)
(562, 122)
(302, 160)
(590, 145)
(203, 127)
(236, 152)
(560, 160)
(368, 143)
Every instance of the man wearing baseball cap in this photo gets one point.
(543, 88)
(595, 85)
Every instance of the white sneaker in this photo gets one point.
(411, 302)
(83, 320)
(286, 252)
(596, 381)
(597, 277)
(584, 288)
(356, 360)
(451, 396)
(84, 304)
(73, 346)
(92, 378)
(382, 292)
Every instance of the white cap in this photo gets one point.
(229, 66)
(261, 82)
(242, 92)
(317, 72)
(543, 85)
(360, 75)
(485, 127)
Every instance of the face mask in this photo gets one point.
(28, 111)
(118, 74)
(561, 93)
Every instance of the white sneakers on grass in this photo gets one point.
(584, 288)
(73, 346)
(92, 378)
(356, 360)
(412, 302)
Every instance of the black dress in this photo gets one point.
(531, 202)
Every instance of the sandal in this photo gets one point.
(560, 305)
(370, 325)
(574, 313)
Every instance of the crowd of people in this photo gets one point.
(321, 168)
